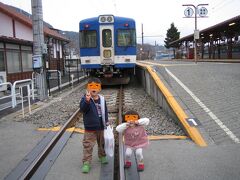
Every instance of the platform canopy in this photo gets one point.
(226, 29)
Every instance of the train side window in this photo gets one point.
(107, 38)
(88, 39)
(126, 37)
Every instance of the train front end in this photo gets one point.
(108, 48)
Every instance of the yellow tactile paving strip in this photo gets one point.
(192, 131)
(81, 131)
(164, 65)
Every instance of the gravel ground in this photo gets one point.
(160, 123)
(61, 107)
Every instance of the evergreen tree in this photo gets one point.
(172, 35)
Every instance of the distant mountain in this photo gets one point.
(74, 38)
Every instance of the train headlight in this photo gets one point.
(107, 53)
(109, 19)
(103, 19)
(106, 19)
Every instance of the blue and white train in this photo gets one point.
(108, 48)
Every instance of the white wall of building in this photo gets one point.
(60, 50)
(54, 50)
(23, 32)
(57, 47)
(6, 25)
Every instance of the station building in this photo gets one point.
(16, 45)
(221, 41)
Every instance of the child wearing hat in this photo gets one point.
(135, 137)
(95, 119)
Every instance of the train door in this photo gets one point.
(107, 44)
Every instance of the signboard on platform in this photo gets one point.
(193, 121)
(188, 12)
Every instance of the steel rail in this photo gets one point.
(120, 137)
(37, 162)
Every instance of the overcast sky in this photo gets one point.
(155, 15)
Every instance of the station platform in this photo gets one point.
(209, 90)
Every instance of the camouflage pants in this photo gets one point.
(89, 140)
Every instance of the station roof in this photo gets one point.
(228, 28)
(10, 11)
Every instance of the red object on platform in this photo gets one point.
(140, 167)
(127, 164)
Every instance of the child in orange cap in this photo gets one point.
(95, 118)
(135, 137)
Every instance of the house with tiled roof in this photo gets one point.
(16, 45)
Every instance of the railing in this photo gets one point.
(33, 79)
(20, 84)
(9, 96)
(22, 96)
(59, 77)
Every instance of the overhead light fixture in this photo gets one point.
(231, 24)
(211, 35)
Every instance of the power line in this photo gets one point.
(151, 36)
(115, 6)
(222, 5)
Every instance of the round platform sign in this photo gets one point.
(202, 11)
(188, 12)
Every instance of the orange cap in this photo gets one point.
(94, 86)
(131, 117)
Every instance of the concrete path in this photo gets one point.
(183, 160)
(17, 139)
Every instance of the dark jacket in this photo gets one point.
(90, 115)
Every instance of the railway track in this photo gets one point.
(38, 162)
(35, 163)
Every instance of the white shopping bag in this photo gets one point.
(109, 141)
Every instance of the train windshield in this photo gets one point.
(107, 37)
(88, 39)
(126, 37)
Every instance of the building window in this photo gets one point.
(27, 61)
(26, 48)
(2, 65)
(13, 62)
(12, 46)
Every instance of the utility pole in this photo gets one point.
(142, 34)
(39, 49)
(202, 12)
(141, 49)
